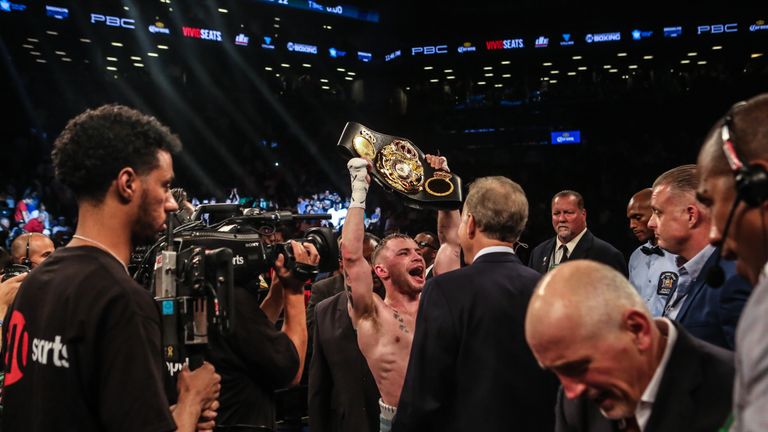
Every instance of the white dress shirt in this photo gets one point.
(557, 255)
(645, 405)
(493, 249)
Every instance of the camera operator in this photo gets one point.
(31, 249)
(83, 341)
(256, 358)
(27, 252)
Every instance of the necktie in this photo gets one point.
(652, 250)
(564, 257)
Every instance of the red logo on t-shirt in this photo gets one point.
(18, 348)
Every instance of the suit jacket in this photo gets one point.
(694, 394)
(470, 368)
(710, 313)
(322, 290)
(342, 392)
(589, 247)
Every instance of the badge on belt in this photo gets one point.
(399, 167)
(667, 283)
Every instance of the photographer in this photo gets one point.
(83, 339)
(256, 359)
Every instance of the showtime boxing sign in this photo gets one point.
(603, 37)
(302, 48)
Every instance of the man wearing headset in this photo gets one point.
(734, 184)
(31, 249)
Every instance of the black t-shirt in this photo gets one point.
(253, 361)
(83, 349)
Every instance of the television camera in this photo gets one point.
(194, 268)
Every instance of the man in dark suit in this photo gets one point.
(343, 396)
(620, 368)
(470, 368)
(573, 239)
(682, 225)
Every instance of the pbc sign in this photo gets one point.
(113, 21)
(429, 50)
(718, 28)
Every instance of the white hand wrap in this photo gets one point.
(358, 170)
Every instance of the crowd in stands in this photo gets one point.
(27, 213)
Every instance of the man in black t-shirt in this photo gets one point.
(82, 342)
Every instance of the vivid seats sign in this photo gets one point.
(198, 33)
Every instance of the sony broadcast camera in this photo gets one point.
(194, 268)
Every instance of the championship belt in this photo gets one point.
(399, 167)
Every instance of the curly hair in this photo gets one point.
(97, 144)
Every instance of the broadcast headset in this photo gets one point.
(26, 261)
(751, 184)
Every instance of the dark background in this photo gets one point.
(240, 112)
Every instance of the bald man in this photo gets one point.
(620, 368)
(652, 270)
(428, 247)
(31, 249)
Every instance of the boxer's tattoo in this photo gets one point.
(348, 287)
(400, 321)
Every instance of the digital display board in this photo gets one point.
(566, 137)
(345, 11)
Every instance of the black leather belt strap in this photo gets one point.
(399, 167)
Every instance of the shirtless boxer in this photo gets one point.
(384, 327)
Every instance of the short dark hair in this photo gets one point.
(97, 144)
(573, 193)
(384, 242)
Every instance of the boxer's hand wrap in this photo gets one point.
(358, 171)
